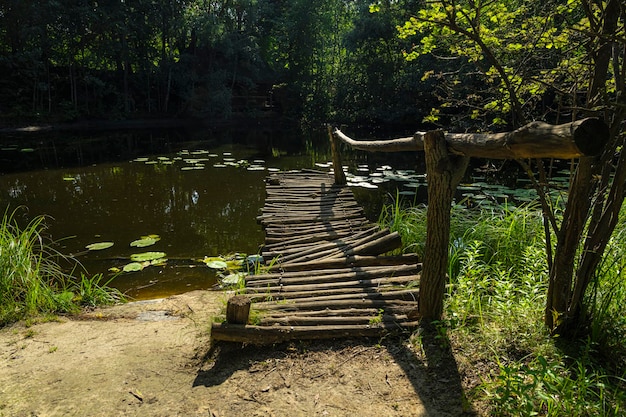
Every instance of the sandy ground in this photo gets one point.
(154, 358)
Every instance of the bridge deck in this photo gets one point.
(327, 275)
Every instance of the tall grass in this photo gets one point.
(494, 315)
(32, 281)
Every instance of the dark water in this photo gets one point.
(199, 192)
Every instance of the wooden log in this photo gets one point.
(340, 273)
(238, 309)
(292, 230)
(268, 335)
(407, 309)
(338, 244)
(371, 244)
(288, 292)
(275, 279)
(275, 244)
(327, 205)
(379, 299)
(378, 246)
(337, 304)
(315, 219)
(350, 260)
(294, 320)
(361, 283)
(586, 137)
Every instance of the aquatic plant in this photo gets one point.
(31, 280)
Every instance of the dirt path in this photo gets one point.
(153, 359)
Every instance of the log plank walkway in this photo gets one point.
(327, 272)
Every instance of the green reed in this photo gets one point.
(32, 281)
(494, 310)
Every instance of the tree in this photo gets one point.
(550, 61)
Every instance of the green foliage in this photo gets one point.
(92, 292)
(548, 388)
(115, 60)
(518, 50)
(32, 282)
(493, 310)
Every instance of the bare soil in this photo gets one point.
(153, 358)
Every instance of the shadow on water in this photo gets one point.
(433, 373)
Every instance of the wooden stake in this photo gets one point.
(340, 177)
(238, 309)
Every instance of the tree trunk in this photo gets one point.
(444, 173)
(566, 287)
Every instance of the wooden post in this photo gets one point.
(340, 177)
(444, 172)
(238, 309)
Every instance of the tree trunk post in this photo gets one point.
(340, 177)
(444, 172)
(238, 309)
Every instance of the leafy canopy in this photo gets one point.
(519, 50)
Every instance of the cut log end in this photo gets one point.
(238, 310)
(591, 135)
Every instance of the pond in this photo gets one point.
(185, 196)
(195, 194)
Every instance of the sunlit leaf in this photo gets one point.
(159, 262)
(99, 245)
(234, 264)
(133, 267)
(234, 279)
(145, 241)
(217, 264)
(208, 259)
(146, 256)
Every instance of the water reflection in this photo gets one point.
(197, 209)
(200, 193)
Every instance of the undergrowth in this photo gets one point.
(494, 310)
(31, 280)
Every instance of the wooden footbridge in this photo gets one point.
(330, 274)
(326, 276)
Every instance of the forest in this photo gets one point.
(70, 60)
(350, 61)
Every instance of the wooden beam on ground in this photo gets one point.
(268, 335)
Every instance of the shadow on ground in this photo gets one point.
(430, 366)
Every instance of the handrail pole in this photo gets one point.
(340, 176)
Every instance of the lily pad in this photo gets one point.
(145, 241)
(146, 256)
(217, 264)
(158, 262)
(234, 279)
(99, 245)
(133, 267)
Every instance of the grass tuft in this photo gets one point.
(32, 282)
(493, 316)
